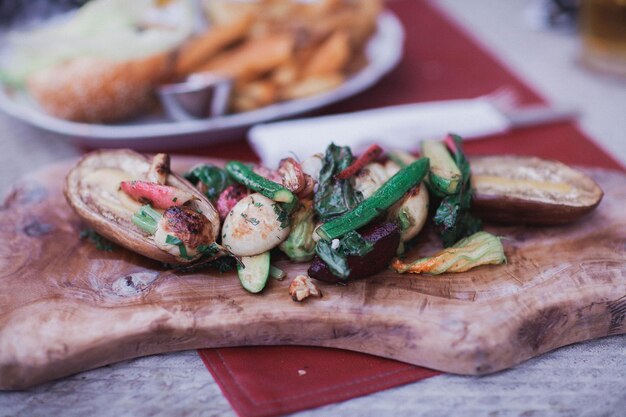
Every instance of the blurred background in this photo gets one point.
(573, 52)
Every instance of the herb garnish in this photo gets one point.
(147, 219)
(252, 220)
(282, 215)
(100, 242)
(173, 240)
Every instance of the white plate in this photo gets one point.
(383, 51)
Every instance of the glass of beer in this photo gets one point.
(603, 31)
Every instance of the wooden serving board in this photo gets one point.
(66, 306)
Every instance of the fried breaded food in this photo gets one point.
(252, 59)
(96, 90)
(197, 51)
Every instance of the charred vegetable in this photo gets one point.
(444, 177)
(255, 225)
(453, 214)
(390, 192)
(411, 212)
(300, 246)
(526, 190)
(479, 249)
(370, 178)
(93, 189)
(346, 261)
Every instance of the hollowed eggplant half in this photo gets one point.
(93, 190)
(528, 190)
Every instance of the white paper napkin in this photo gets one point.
(396, 127)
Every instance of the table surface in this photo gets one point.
(586, 379)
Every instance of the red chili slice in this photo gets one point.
(158, 195)
(366, 157)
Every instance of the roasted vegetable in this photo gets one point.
(157, 195)
(444, 177)
(383, 238)
(159, 168)
(93, 190)
(411, 212)
(334, 197)
(291, 175)
(526, 190)
(253, 272)
(255, 225)
(184, 233)
(244, 175)
(209, 179)
(370, 155)
(390, 192)
(229, 197)
(335, 254)
(481, 248)
(370, 178)
(453, 214)
(300, 246)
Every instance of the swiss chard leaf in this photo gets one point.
(352, 243)
(337, 263)
(214, 178)
(335, 197)
(453, 217)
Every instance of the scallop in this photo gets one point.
(255, 225)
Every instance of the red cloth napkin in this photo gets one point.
(441, 62)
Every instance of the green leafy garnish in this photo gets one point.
(282, 215)
(173, 240)
(335, 197)
(453, 214)
(351, 244)
(100, 242)
(214, 178)
(147, 219)
(336, 262)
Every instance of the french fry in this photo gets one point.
(292, 49)
(250, 96)
(199, 50)
(287, 73)
(252, 59)
(311, 86)
(331, 56)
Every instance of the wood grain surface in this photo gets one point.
(66, 306)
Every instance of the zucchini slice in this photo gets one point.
(254, 272)
(444, 177)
